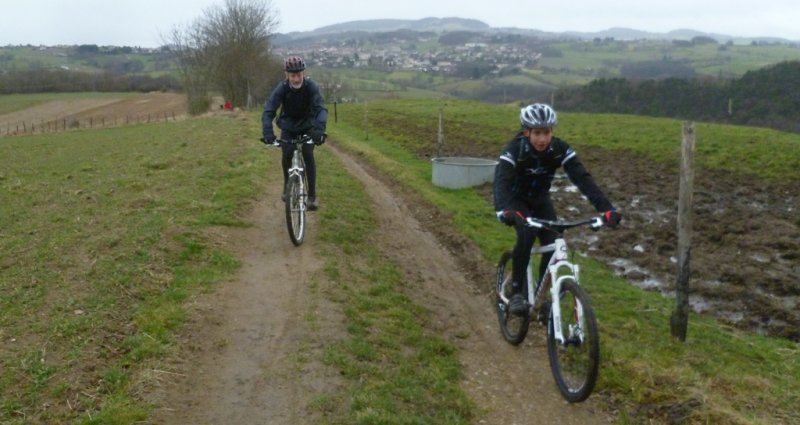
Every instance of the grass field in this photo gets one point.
(475, 128)
(103, 239)
(17, 102)
(719, 375)
(23, 58)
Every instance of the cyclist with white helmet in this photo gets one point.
(522, 189)
(302, 112)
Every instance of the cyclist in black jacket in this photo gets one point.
(522, 189)
(302, 112)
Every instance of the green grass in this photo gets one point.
(22, 58)
(102, 241)
(720, 375)
(103, 235)
(481, 129)
(606, 59)
(398, 371)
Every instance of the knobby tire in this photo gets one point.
(295, 210)
(514, 328)
(575, 363)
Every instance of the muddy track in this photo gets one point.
(242, 363)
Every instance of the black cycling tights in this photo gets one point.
(526, 236)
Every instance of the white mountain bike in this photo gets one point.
(573, 341)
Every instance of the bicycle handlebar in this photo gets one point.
(559, 226)
(305, 138)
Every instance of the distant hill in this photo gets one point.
(426, 24)
(460, 24)
(679, 34)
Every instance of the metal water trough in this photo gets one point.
(456, 172)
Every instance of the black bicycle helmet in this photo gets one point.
(294, 64)
(537, 115)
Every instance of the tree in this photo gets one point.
(228, 49)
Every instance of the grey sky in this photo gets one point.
(146, 22)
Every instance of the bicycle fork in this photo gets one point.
(556, 278)
(297, 170)
(575, 333)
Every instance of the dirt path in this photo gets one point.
(248, 343)
(513, 385)
(250, 346)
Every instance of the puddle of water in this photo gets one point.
(733, 316)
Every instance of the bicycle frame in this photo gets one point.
(297, 168)
(559, 269)
(554, 274)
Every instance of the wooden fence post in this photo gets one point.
(680, 317)
(366, 131)
(440, 135)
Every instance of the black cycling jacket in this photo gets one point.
(301, 109)
(525, 174)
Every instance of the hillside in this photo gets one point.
(506, 64)
(440, 25)
(157, 277)
(763, 97)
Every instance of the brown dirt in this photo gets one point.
(248, 353)
(95, 112)
(745, 244)
(242, 366)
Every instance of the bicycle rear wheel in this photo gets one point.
(574, 362)
(295, 210)
(514, 328)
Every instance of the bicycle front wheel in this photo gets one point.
(575, 360)
(295, 210)
(514, 328)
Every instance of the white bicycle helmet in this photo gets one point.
(537, 115)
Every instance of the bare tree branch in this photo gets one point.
(229, 50)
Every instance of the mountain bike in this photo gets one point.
(557, 301)
(295, 192)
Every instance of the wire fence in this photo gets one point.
(17, 128)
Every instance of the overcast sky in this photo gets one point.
(147, 22)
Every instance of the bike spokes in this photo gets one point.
(295, 211)
(514, 328)
(574, 357)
